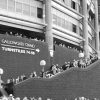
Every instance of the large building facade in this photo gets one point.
(67, 22)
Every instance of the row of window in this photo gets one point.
(74, 5)
(90, 41)
(22, 8)
(64, 23)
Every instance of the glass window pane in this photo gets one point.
(39, 12)
(54, 19)
(63, 23)
(33, 11)
(59, 21)
(18, 7)
(26, 9)
(3, 4)
(74, 28)
(66, 24)
(11, 5)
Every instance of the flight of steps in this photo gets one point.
(69, 84)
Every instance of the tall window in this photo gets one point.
(80, 6)
(39, 12)
(58, 21)
(26, 9)
(81, 32)
(63, 23)
(3, 4)
(66, 24)
(73, 5)
(54, 19)
(89, 40)
(74, 28)
(18, 7)
(33, 11)
(11, 5)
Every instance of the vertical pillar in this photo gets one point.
(97, 26)
(48, 20)
(85, 29)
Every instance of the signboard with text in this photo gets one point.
(21, 56)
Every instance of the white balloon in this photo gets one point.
(42, 62)
(81, 55)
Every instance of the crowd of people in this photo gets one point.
(69, 46)
(11, 97)
(20, 35)
(81, 63)
(22, 78)
(55, 69)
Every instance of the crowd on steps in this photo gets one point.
(11, 97)
(81, 63)
(55, 69)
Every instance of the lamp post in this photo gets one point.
(51, 57)
(1, 72)
(42, 63)
(81, 55)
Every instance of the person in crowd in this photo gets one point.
(17, 98)
(75, 63)
(71, 64)
(58, 69)
(40, 98)
(11, 97)
(49, 99)
(24, 36)
(49, 74)
(13, 80)
(43, 40)
(4, 98)
(7, 33)
(35, 39)
(33, 98)
(20, 36)
(8, 80)
(17, 80)
(25, 98)
(65, 66)
(88, 61)
(34, 74)
(10, 33)
(16, 34)
(23, 77)
(54, 69)
(31, 75)
(81, 63)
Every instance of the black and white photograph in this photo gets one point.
(49, 49)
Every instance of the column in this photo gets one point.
(48, 20)
(97, 26)
(85, 29)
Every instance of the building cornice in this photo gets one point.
(65, 32)
(68, 8)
